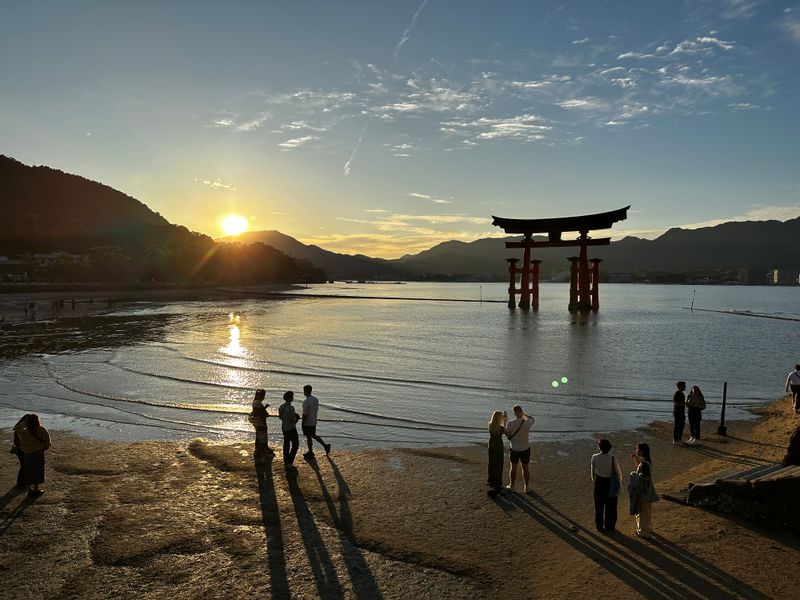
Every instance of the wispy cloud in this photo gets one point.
(583, 104)
(525, 127)
(245, 125)
(790, 23)
(434, 199)
(407, 31)
(217, 184)
(296, 142)
(581, 41)
(702, 45)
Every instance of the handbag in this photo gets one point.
(614, 484)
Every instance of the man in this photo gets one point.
(289, 421)
(258, 418)
(793, 382)
(517, 433)
(678, 412)
(310, 410)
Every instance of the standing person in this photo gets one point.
(793, 382)
(647, 492)
(517, 433)
(678, 412)
(289, 419)
(604, 468)
(258, 418)
(696, 404)
(33, 441)
(497, 427)
(309, 425)
(20, 456)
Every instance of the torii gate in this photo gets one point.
(581, 296)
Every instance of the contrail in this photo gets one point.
(409, 29)
(403, 39)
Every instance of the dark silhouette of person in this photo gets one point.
(309, 424)
(289, 420)
(497, 427)
(603, 466)
(678, 412)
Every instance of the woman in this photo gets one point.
(33, 441)
(696, 404)
(497, 427)
(646, 495)
(604, 467)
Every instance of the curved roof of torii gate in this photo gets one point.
(559, 224)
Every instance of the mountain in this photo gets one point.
(109, 236)
(340, 266)
(753, 245)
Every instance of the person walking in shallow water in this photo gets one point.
(497, 427)
(309, 425)
(289, 420)
(678, 412)
(793, 383)
(606, 477)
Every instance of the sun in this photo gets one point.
(234, 224)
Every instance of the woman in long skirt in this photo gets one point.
(33, 441)
(497, 427)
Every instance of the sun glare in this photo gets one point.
(234, 224)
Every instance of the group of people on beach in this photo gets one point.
(289, 418)
(695, 404)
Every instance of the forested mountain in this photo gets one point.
(118, 238)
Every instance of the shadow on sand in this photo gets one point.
(364, 584)
(15, 512)
(742, 459)
(271, 517)
(637, 564)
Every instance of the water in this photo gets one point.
(395, 372)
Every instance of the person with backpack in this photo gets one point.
(33, 441)
(696, 404)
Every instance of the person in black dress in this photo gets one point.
(497, 427)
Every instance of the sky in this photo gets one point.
(384, 128)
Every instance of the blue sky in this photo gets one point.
(387, 127)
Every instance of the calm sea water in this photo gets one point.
(401, 372)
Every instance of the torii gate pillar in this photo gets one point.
(512, 282)
(596, 283)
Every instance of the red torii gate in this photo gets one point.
(581, 296)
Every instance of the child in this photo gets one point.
(258, 418)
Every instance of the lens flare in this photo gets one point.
(564, 380)
(554, 384)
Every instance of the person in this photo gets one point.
(604, 466)
(793, 383)
(517, 432)
(258, 418)
(33, 441)
(678, 412)
(20, 456)
(289, 419)
(645, 493)
(309, 425)
(497, 427)
(696, 404)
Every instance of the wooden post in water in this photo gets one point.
(535, 283)
(573, 283)
(722, 430)
(512, 282)
(596, 283)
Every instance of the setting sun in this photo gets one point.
(234, 224)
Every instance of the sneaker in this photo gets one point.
(510, 487)
(327, 449)
(690, 441)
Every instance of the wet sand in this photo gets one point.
(167, 520)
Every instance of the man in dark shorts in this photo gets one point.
(309, 425)
(679, 412)
(517, 433)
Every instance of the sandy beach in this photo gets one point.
(166, 520)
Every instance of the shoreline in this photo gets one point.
(125, 519)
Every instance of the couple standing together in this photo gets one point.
(517, 432)
(289, 419)
(696, 404)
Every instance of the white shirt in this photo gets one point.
(522, 427)
(793, 378)
(601, 465)
(310, 410)
(287, 415)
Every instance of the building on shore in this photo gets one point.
(783, 277)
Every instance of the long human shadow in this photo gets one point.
(743, 459)
(271, 517)
(364, 584)
(15, 513)
(630, 572)
(724, 585)
(322, 566)
(12, 493)
(756, 443)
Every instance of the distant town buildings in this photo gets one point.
(783, 277)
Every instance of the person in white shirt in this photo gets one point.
(603, 464)
(289, 420)
(517, 433)
(793, 382)
(310, 410)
